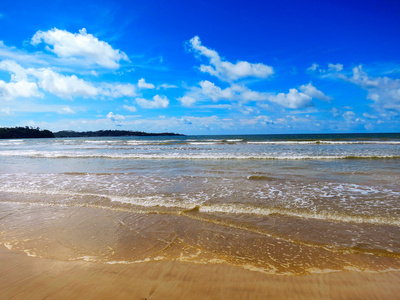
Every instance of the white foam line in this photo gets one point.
(264, 211)
(149, 201)
(231, 208)
(324, 142)
(193, 156)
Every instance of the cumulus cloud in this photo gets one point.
(187, 101)
(117, 119)
(293, 99)
(19, 85)
(80, 45)
(142, 84)
(244, 94)
(61, 85)
(48, 80)
(18, 73)
(384, 91)
(361, 78)
(312, 91)
(25, 89)
(214, 92)
(225, 70)
(157, 102)
(239, 95)
(25, 83)
(233, 93)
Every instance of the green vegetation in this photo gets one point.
(35, 133)
(24, 133)
(109, 133)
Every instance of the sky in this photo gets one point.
(201, 67)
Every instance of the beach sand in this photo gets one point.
(41, 245)
(23, 277)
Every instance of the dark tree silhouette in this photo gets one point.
(110, 133)
(24, 133)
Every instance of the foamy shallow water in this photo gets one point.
(336, 198)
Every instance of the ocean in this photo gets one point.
(277, 204)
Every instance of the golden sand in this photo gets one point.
(44, 251)
(23, 277)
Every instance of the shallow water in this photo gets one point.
(278, 204)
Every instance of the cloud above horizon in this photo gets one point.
(157, 102)
(28, 83)
(102, 85)
(226, 70)
(79, 45)
(383, 91)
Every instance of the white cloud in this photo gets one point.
(214, 92)
(63, 86)
(335, 67)
(157, 102)
(233, 93)
(80, 45)
(333, 70)
(244, 94)
(384, 91)
(66, 110)
(130, 108)
(26, 82)
(25, 89)
(117, 119)
(142, 84)
(313, 67)
(293, 99)
(48, 80)
(18, 73)
(20, 85)
(225, 70)
(166, 86)
(312, 91)
(187, 101)
(349, 116)
(369, 116)
(335, 112)
(241, 95)
(117, 90)
(219, 106)
(361, 78)
(12, 53)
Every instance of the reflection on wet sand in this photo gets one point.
(109, 236)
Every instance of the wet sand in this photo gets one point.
(54, 252)
(23, 277)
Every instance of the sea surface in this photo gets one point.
(278, 204)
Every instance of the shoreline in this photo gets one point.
(24, 277)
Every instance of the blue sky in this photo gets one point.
(201, 67)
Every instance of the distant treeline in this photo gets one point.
(109, 133)
(24, 133)
(36, 133)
